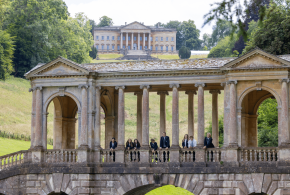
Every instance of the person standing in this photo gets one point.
(165, 144)
(129, 146)
(208, 144)
(136, 146)
(154, 147)
(113, 146)
(185, 141)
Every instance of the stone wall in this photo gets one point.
(203, 184)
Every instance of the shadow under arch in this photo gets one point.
(142, 190)
(60, 193)
(258, 193)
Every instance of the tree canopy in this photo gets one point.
(6, 55)
(105, 21)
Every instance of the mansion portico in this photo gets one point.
(135, 36)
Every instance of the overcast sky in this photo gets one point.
(148, 11)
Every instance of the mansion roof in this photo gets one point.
(254, 59)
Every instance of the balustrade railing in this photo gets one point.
(266, 154)
(187, 155)
(61, 156)
(13, 159)
(159, 156)
(213, 154)
(132, 156)
(107, 156)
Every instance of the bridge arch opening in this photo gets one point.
(63, 122)
(152, 189)
(259, 119)
(60, 193)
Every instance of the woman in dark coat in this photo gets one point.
(136, 146)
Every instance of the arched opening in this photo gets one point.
(64, 122)
(152, 189)
(258, 193)
(60, 193)
(259, 117)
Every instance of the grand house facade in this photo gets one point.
(135, 36)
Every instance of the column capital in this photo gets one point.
(223, 84)
(284, 80)
(83, 86)
(215, 91)
(31, 90)
(38, 88)
(45, 113)
(120, 87)
(172, 85)
(199, 84)
(162, 92)
(190, 92)
(232, 82)
(98, 87)
(144, 86)
(138, 93)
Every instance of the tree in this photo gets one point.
(93, 25)
(221, 29)
(221, 131)
(105, 21)
(184, 53)
(190, 35)
(6, 55)
(93, 53)
(223, 48)
(176, 25)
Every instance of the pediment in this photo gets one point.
(57, 67)
(135, 26)
(257, 59)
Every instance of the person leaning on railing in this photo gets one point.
(154, 147)
(208, 143)
(136, 146)
(192, 144)
(129, 146)
(164, 143)
(113, 145)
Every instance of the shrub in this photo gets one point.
(184, 53)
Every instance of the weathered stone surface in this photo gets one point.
(266, 182)
(198, 188)
(257, 179)
(57, 181)
(273, 187)
(226, 191)
(247, 178)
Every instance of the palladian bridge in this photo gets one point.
(79, 91)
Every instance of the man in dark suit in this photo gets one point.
(113, 145)
(165, 143)
(208, 144)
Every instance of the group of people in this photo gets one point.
(187, 142)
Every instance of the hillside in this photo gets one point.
(15, 110)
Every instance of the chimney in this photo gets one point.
(125, 23)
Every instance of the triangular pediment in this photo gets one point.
(257, 58)
(57, 67)
(135, 26)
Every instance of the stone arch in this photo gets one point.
(66, 107)
(142, 190)
(61, 193)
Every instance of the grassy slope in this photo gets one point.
(169, 189)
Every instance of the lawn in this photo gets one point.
(107, 61)
(109, 56)
(169, 190)
(175, 56)
(8, 146)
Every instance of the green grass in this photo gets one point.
(109, 56)
(169, 190)
(175, 56)
(8, 146)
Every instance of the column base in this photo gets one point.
(230, 156)
(284, 155)
(200, 155)
(37, 154)
(83, 154)
(120, 156)
(144, 156)
(97, 155)
(174, 155)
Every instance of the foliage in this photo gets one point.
(169, 189)
(6, 55)
(93, 25)
(268, 123)
(184, 53)
(93, 52)
(221, 131)
(43, 30)
(105, 21)
(273, 36)
(223, 48)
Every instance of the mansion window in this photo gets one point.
(123, 38)
(129, 38)
(103, 37)
(161, 48)
(124, 46)
(113, 47)
(151, 47)
(129, 47)
(97, 47)
(118, 47)
(113, 38)
(108, 37)
(97, 37)
(145, 38)
(166, 48)
(118, 38)
(134, 38)
(140, 47)
(172, 48)
(166, 38)
(140, 38)
(145, 47)
(172, 38)
(161, 38)
(108, 47)
(156, 48)
(102, 47)
(151, 39)
(156, 38)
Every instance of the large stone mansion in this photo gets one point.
(135, 36)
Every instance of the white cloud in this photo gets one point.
(148, 11)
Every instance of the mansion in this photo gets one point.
(135, 36)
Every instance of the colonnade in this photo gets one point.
(138, 40)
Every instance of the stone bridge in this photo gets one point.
(80, 91)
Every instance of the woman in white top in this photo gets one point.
(191, 142)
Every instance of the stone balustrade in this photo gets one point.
(261, 154)
(106, 156)
(61, 156)
(13, 159)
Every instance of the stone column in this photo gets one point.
(44, 130)
(121, 40)
(32, 117)
(226, 113)
(175, 115)
(97, 133)
(91, 114)
(138, 41)
(143, 41)
(233, 115)
(132, 41)
(215, 121)
(162, 111)
(200, 114)
(149, 41)
(284, 136)
(139, 115)
(84, 117)
(126, 40)
(121, 125)
(190, 94)
(145, 116)
(38, 117)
